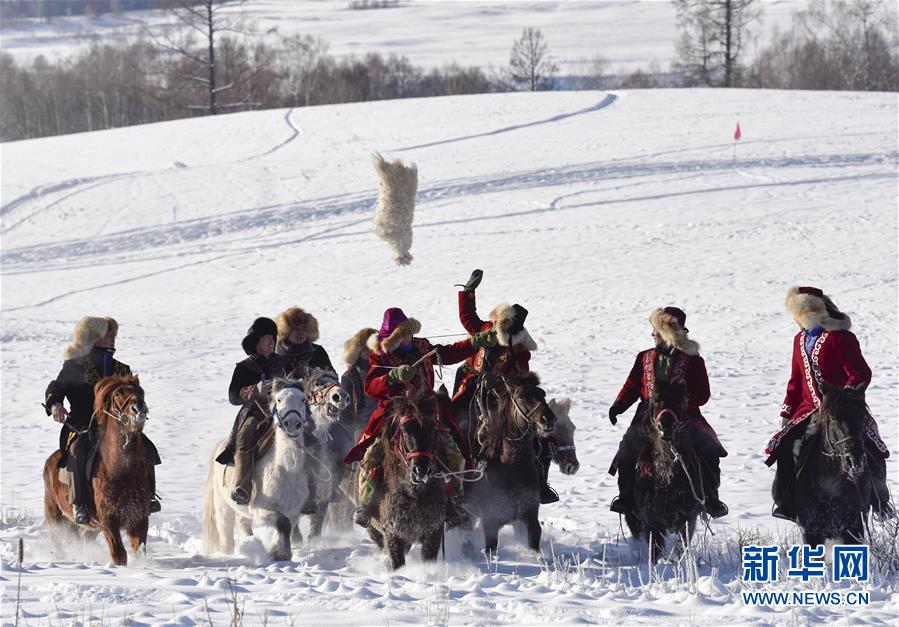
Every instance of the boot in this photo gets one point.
(714, 507)
(624, 502)
(544, 459)
(81, 514)
(456, 515)
(243, 477)
(782, 490)
(155, 505)
(547, 494)
(881, 504)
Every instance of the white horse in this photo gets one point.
(326, 401)
(279, 478)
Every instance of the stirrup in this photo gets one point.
(80, 514)
(548, 495)
(716, 508)
(778, 511)
(621, 505)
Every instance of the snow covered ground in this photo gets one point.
(478, 32)
(589, 208)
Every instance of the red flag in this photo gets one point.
(737, 133)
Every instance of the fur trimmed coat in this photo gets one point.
(511, 360)
(835, 361)
(689, 369)
(378, 386)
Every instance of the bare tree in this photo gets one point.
(529, 66)
(713, 36)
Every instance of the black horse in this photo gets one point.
(834, 482)
(671, 479)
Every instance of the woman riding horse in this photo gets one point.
(356, 352)
(826, 354)
(674, 359)
(511, 358)
(403, 365)
(87, 360)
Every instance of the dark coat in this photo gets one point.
(306, 357)
(75, 383)
(355, 415)
(251, 371)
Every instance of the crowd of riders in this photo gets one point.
(394, 360)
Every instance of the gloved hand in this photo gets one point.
(473, 281)
(614, 412)
(402, 374)
(484, 339)
(59, 413)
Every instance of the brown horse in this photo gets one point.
(121, 493)
(413, 506)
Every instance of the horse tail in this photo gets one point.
(212, 540)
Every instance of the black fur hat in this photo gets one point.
(260, 328)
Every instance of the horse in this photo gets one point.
(279, 482)
(510, 414)
(412, 507)
(834, 484)
(120, 481)
(562, 446)
(326, 401)
(669, 487)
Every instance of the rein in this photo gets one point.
(400, 447)
(133, 417)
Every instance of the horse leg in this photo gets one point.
(396, 550)
(281, 550)
(656, 544)
(376, 536)
(113, 536)
(318, 519)
(813, 539)
(855, 532)
(138, 536)
(491, 535)
(532, 523)
(296, 536)
(430, 547)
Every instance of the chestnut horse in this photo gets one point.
(121, 493)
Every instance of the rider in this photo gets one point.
(355, 355)
(675, 358)
(297, 332)
(252, 421)
(511, 358)
(825, 352)
(393, 372)
(87, 360)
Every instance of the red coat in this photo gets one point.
(689, 369)
(504, 360)
(836, 361)
(377, 385)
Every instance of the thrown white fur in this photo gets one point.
(397, 185)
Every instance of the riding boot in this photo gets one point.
(243, 476)
(155, 505)
(624, 502)
(544, 459)
(714, 506)
(782, 489)
(881, 503)
(80, 492)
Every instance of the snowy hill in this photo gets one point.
(588, 208)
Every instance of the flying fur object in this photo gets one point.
(397, 184)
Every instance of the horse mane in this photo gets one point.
(840, 405)
(495, 422)
(105, 387)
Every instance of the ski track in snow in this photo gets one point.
(599, 218)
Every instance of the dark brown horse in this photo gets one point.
(670, 484)
(510, 414)
(121, 494)
(413, 506)
(834, 486)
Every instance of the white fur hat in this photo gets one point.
(811, 307)
(669, 324)
(88, 331)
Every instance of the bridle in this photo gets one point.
(135, 416)
(678, 421)
(399, 445)
(319, 396)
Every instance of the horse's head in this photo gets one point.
(841, 423)
(287, 406)
(528, 402)
(564, 451)
(668, 408)
(414, 438)
(120, 399)
(326, 398)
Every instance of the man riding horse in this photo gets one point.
(403, 365)
(510, 358)
(826, 354)
(356, 352)
(251, 423)
(87, 360)
(675, 359)
(297, 334)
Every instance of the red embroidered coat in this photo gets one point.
(836, 361)
(377, 385)
(689, 369)
(504, 360)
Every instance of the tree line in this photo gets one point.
(213, 62)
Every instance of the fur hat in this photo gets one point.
(396, 329)
(669, 323)
(810, 307)
(508, 320)
(296, 317)
(353, 346)
(259, 329)
(88, 331)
